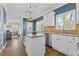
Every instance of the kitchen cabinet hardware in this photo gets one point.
(65, 44)
(73, 38)
(77, 45)
(58, 39)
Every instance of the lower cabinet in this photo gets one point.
(35, 46)
(72, 47)
(65, 44)
(54, 41)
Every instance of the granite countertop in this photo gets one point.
(33, 36)
(65, 34)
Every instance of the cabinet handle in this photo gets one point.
(70, 41)
(77, 45)
(73, 38)
(58, 39)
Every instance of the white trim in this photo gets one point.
(4, 46)
(50, 10)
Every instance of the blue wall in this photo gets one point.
(34, 25)
(36, 20)
(24, 26)
(65, 8)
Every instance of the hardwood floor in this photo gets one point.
(53, 52)
(14, 47)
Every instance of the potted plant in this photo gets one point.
(33, 32)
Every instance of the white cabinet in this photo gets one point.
(50, 40)
(59, 43)
(35, 46)
(72, 47)
(62, 43)
(54, 41)
(65, 44)
(49, 19)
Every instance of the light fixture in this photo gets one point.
(31, 7)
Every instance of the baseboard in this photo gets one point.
(66, 54)
(3, 47)
(48, 46)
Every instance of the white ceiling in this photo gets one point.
(18, 10)
(15, 10)
(44, 8)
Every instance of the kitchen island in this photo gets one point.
(35, 45)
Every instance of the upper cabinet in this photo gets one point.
(49, 19)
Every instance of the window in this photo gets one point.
(59, 22)
(39, 26)
(29, 27)
(66, 20)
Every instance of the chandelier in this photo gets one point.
(31, 7)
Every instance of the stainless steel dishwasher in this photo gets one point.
(48, 37)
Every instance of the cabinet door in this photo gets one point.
(49, 19)
(50, 39)
(65, 44)
(45, 20)
(69, 45)
(72, 45)
(54, 41)
(60, 43)
(57, 42)
(28, 45)
(77, 46)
